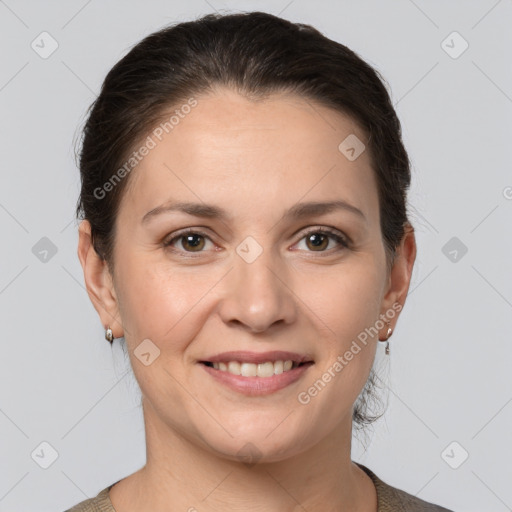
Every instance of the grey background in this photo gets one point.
(448, 375)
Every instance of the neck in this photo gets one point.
(182, 475)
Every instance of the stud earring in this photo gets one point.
(109, 335)
(388, 334)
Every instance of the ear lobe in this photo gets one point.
(401, 272)
(98, 281)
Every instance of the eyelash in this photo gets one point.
(324, 231)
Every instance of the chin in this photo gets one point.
(254, 446)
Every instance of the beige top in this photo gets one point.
(389, 499)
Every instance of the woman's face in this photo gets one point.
(253, 280)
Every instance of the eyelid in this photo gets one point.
(332, 232)
(168, 242)
(328, 230)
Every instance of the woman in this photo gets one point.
(245, 231)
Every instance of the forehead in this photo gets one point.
(229, 149)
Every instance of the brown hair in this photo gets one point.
(255, 54)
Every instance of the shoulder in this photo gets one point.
(100, 503)
(391, 499)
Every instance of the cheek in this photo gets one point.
(346, 304)
(161, 302)
(344, 301)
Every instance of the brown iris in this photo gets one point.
(193, 242)
(318, 240)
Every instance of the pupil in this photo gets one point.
(189, 240)
(317, 239)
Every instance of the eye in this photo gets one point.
(191, 241)
(318, 239)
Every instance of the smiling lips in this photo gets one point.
(254, 364)
(266, 369)
(257, 373)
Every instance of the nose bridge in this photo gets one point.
(257, 294)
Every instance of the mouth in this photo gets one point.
(254, 373)
(262, 370)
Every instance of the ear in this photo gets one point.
(98, 281)
(400, 276)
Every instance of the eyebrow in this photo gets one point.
(297, 211)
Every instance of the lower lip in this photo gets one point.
(257, 386)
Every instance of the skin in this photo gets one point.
(256, 160)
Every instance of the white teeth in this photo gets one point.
(266, 369)
(234, 367)
(248, 370)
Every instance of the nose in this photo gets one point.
(258, 295)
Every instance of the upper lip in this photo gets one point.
(244, 356)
